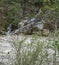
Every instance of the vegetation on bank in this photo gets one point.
(34, 49)
(13, 11)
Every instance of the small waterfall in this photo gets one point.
(9, 28)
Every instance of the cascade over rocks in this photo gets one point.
(29, 26)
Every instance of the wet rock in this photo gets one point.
(22, 23)
(2, 32)
(2, 63)
(39, 26)
(45, 32)
(29, 26)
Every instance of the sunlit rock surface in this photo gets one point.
(7, 51)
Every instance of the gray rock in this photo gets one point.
(39, 25)
(1, 63)
(2, 32)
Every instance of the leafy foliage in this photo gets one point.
(15, 10)
(13, 14)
